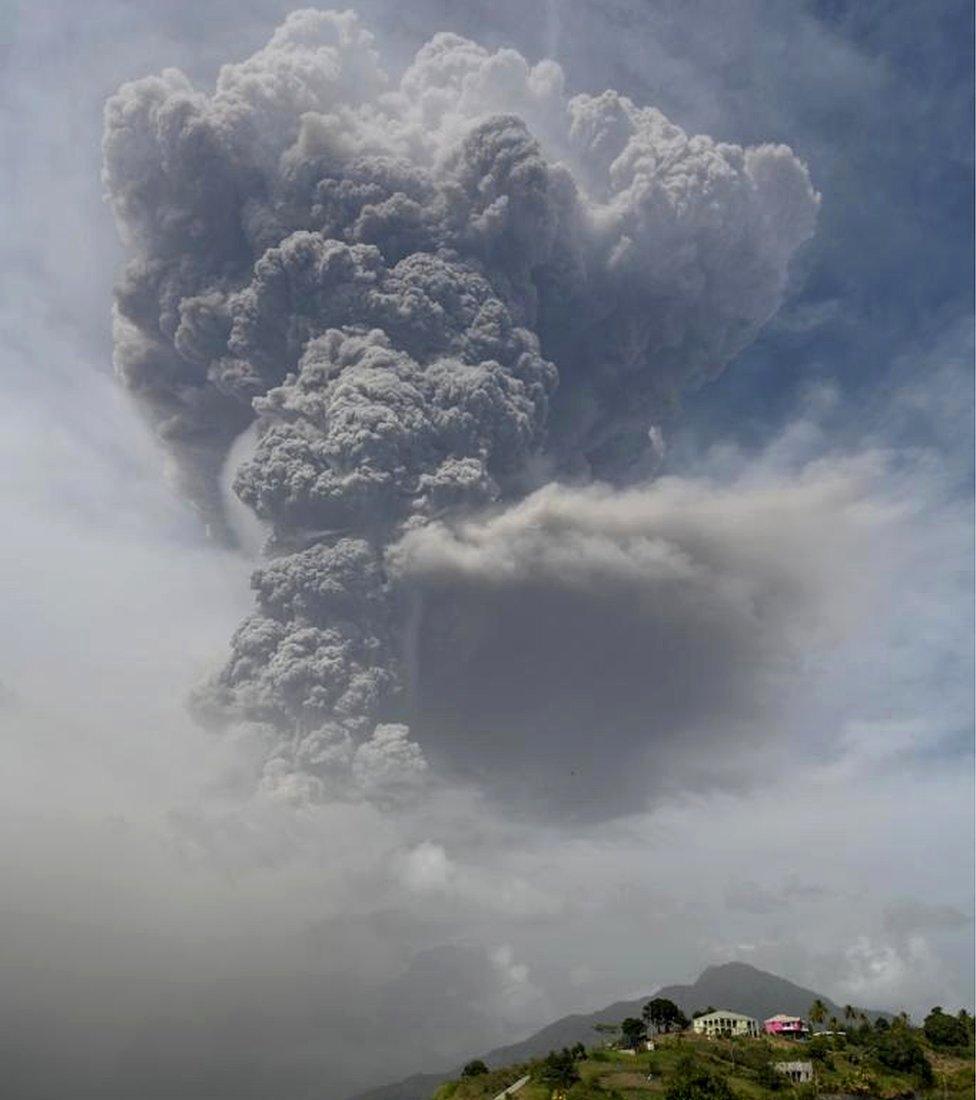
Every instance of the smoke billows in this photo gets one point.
(432, 296)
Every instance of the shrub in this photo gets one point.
(899, 1050)
(752, 1053)
(475, 1068)
(694, 1082)
(769, 1077)
(858, 1082)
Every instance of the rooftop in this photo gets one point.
(723, 1012)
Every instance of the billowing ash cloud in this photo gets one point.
(590, 646)
(431, 295)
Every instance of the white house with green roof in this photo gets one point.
(725, 1023)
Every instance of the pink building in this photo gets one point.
(788, 1027)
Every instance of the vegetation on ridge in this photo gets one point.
(885, 1060)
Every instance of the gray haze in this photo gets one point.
(569, 663)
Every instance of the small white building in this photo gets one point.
(798, 1072)
(725, 1024)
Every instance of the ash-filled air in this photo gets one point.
(432, 295)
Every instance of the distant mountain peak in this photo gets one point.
(732, 967)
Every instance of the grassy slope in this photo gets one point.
(850, 1071)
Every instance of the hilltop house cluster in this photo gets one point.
(731, 1024)
(664, 1016)
(726, 1024)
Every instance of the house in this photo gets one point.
(787, 1027)
(725, 1023)
(798, 1072)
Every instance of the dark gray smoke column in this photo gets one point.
(392, 279)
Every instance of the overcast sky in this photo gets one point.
(712, 702)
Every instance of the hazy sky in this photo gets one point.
(713, 703)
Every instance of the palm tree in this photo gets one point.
(850, 1012)
(818, 1012)
(834, 1024)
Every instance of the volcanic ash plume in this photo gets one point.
(429, 296)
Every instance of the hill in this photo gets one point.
(895, 1063)
(735, 985)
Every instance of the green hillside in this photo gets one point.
(889, 1064)
(734, 984)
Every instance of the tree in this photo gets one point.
(818, 1012)
(559, 1068)
(898, 1049)
(703, 1012)
(474, 1068)
(632, 1031)
(834, 1023)
(664, 1015)
(863, 1032)
(943, 1030)
(881, 1024)
(819, 1049)
(850, 1013)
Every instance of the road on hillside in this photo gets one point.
(513, 1089)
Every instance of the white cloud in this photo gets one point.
(427, 868)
